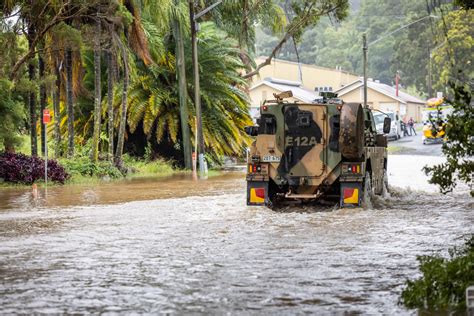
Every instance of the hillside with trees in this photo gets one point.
(332, 44)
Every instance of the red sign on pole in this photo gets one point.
(46, 116)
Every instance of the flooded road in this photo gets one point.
(177, 246)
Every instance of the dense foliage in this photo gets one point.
(19, 168)
(411, 51)
(85, 167)
(154, 104)
(12, 116)
(444, 281)
(459, 144)
(120, 72)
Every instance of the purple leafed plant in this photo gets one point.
(20, 168)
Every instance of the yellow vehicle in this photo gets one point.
(434, 120)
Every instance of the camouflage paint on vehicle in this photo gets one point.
(300, 149)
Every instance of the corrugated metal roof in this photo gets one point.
(382, 88)
(392, 91)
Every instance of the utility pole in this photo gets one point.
(365, 48)
(197, 92)
(397, 79)
(430, 89)
(183, 108)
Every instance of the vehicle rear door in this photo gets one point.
(305, 151)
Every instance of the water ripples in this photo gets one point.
(210, 253)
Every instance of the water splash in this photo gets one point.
(200, 249)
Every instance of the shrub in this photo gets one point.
(444, 281)
(85, 167)
(148, 168)
(20, 168)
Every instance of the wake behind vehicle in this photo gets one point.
(306, 152)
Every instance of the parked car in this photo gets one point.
(396, 127)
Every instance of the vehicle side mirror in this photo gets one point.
(387, 122)
(251, 130)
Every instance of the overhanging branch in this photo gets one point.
(293, 28)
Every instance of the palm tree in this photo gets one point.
(32, 99)
(135, 38)
(59, 44)
(123, 109)
(110, 100)
(30, 35)
(42, 93)
(39, 18)
(97, 91)
(224, 102)
(154, 96)
(165, 18)
(184, 117)
(57, 65)
(70, 103)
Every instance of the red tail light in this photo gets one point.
(260, 192)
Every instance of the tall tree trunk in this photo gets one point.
(98, 97)
(57, 110)
(183, 108)
(110, 103)
(8, 146)
(42, 92)
(123, 111)
(32, 98)
(70, 104)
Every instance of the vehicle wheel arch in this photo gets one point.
(368, 166)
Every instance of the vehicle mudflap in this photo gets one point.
(351, 194)
(257, 193)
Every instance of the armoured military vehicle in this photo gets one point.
(307, 152)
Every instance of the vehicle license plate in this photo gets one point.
(271, 159)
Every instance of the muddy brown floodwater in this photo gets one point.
(177, 246)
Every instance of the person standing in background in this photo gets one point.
(411, 126)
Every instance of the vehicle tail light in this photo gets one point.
(261, 168)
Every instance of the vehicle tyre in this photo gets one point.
(351, 134)
(367, 191)
(270, 201)
(385, 192)
(378, 185)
